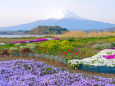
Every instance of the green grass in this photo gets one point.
(81, 45)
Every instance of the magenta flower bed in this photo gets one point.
(32, 40)
(56, 38)
(22, 41)
(110, 56)
(42, 39)
(13, 42)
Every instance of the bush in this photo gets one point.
(5, 52)
(13, 48)
(7, 46)
(71, 39)
(26, 50)
(84, 50)
(23, 47)
(102, 46)
(32, 46)
(96, 46)
(78, 44)
(74, 65)
(17, 44)
(1, 47)
(113, 44)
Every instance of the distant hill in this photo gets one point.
(19, 32)
(110, 29)
(40, 30)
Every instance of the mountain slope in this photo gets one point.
(61, 14)
(110, 29)
(63, 19)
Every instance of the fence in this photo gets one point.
(50, 57)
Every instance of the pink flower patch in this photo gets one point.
(110, 56)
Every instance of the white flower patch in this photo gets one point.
(106, 52)
(98, 59)
(50, 38)
(75, 61)
(2, 44)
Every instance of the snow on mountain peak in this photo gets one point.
(62, 14)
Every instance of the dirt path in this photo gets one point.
(56, 64)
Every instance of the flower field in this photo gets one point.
(94, 52)
(98, 60)
(31, 73)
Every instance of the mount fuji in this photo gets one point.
(61, 14)
(65, 19)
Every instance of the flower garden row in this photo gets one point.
(42, 39)
(67, 50)
(31, 73)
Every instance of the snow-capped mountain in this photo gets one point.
(61, 14)
(65, 19)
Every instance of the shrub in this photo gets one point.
(17, 44)
(77, 57)
(32, 46)
(84, 50)
(71, 39)
(66, 59)
(74, 64)
(5, 52)
(78, 44)
(96, 46)
(23, 47)
(13, 48)
(113, 44)
(7, 46)
(102, 46)
(26, 50)
(1, 47)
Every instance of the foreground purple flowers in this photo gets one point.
(31, 73)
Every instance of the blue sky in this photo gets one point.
(15, 12)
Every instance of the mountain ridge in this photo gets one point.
(69, 22)
(110, 29)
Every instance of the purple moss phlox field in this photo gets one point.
(31, 73)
